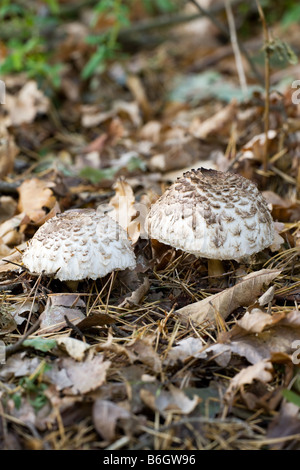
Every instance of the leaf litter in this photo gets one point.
(163, 357)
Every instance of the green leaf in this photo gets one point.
(292, 15)
(96, 59)
(283, 51)
(53, 5)
(17, 399)
(39, 400)
(135, 163)
(95, 176)
(40, 344)
(292, 397)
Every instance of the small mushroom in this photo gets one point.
(212, 214)
(79, 244)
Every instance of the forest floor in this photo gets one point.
(114, 365)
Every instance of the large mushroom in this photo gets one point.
(79, 244)
(212, 214)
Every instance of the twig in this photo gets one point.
(267, 83)
(210, 14)
(235, 47)
(9, 350)
(73, 327)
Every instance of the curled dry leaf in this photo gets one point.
(137, 295)
(16, 260)
(24, 107)
(18, 309)
(8, 206)
(18, 366)
(11, 231)
(257, 336)
(285, 210)
(93, 116)
(219, 124)
(241, 295)
(8, 151)
(95, 319)
(172, 401)
(285, 423)
(262, 370)
(127, 212)
(187, 347)
(254, 149)
(36, 199)
(144, 352)
(4, 249)
(257, 320)
(105, 416)
(74, 347)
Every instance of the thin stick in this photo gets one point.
(9, 350)
(267, 84)
(209, 14)
(235, 47)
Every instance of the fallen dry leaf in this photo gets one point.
(11, 232)
(242, 294)
(15, 257)
(93, 116)
(127, 212)
(74, 347)
(137, 295)
(263, 336)
(123, 205)
(8, 151)
(284, 210)
(219, 124)
(105, 417)
(187, 347)
(24, 106)
(86, 376)
(8, 207)
(254, 149)
(53, 317)
(95, 319)
(144, 352)
(262, 370)
(172, 401)
(285, 423)
(4, 249)
(257, 320)
(19, 365)
(36, 199)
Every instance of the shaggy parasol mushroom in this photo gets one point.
(212, 214)
(79, 244)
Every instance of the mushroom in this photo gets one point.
(212, 214)
(79, 244)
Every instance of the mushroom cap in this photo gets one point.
(212, 214)
(79, 244)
